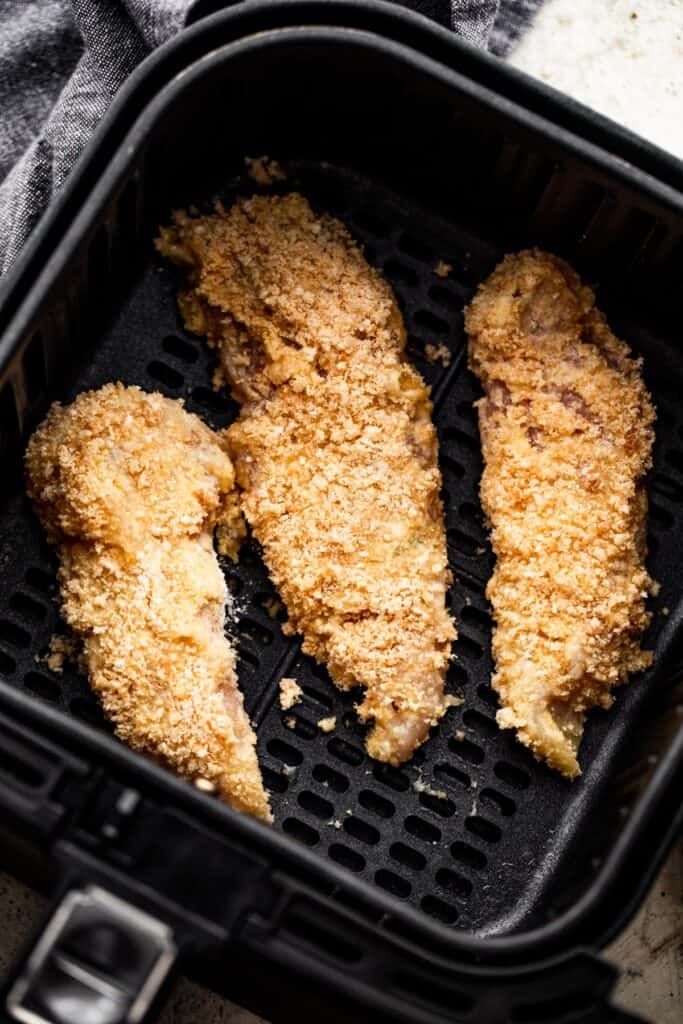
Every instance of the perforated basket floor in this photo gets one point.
(470, 831)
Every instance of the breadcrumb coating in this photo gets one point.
(290, 693)
(334, 449)
(129, 487)
(567, 431)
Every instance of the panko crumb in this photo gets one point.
(442, 269)
(290, 693)
(434, 352)
(327, 724)
(290, 722)
(263, 170)
(459, 735)
(61, 649)
(452, 701)
(274, 607)
(424, 787)
(666, 611)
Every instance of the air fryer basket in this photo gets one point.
(503, 861)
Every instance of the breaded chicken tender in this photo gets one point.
(334, 449)
(567, 431)
(130, 488)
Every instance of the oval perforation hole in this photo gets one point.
(39, 580)
(391, 777)
(247, 656)
(41, 685)
(368, 221)
(299, 726)
(488, 695)
(165, 374)
(512, 775)
(468, 411)
(446, 298)
(89, 711)
(27, 608)
(299, 830)
(180, 348)
(471, 443)
(376, 803)
(437, 805)
(361, 830)
(14, 635)
(469, 646)
(449, 775)
(393, 883)
(480, 723)
(452, 466)
(276, 782)
(316, 697)
(452, 882)
(463, 543)
(478, 616)
(502, 803)
(408, 857)
(396, 271)
(255, 631)
(212, 401)
(660, 517)
(345, 752)
(328, 777)
(422, 829)
(285, 753)
(347, 858)
(483, 828)
(466, 750)
(430, 322)
(457, 674)
(439, 909)
(667, 487)
(315, 804)
(468, 855)
(419, 250)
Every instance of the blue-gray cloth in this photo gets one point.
(61, 61)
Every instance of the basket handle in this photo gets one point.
(96, 960)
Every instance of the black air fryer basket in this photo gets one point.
(472, 884)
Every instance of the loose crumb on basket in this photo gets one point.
(434, 352)
(205, 785)
(263, 170)
(290, 693)
(442, 269)
(452, 701)
(459, 735)
(327, 724)
(419, 786)
(290, 722)
(61, 649)
(273, 606)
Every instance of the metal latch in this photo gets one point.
(98, 961)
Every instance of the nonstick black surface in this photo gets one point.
(472, 830)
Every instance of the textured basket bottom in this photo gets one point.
(470, 830)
